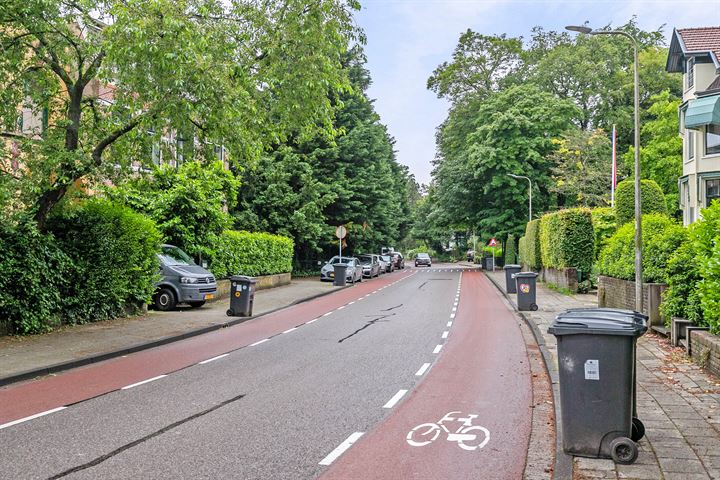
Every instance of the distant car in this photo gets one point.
(389, 264)
(423, 259)
(398, 260)
(471, 255)
(183, 281)
(383, 264)
(370, 265)
(353, 273)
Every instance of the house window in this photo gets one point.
(690, 72)
(180, 149)
(712, 191)
(712, 139)
(690, 143)
(156, 153)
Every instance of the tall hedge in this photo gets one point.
(652, 200)
(605, 226)
(522, 250)
(567, 239)
(510, 250)
(533, 256)
(705, 237)
(246, 253)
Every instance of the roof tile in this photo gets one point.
(702, 39)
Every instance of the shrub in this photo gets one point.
(412, 253)
(651, 196)
(604, 224)
(114, 251)
(661, 237)
(682, 298)
(705, 237)
(253, 254)
(510, 250)
(33, 274)
(522, 250)
(533, 257)
(566, 239)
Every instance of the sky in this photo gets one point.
(408, 39)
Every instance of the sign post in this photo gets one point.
(493, 243)
(340, 233)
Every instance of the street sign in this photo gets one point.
(340, 232)
(493, 242)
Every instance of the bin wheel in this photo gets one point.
(638, 430)
(623, 451)
(230, 313)
(533, 307)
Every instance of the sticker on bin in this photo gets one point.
(592, 370)
(241, 287)
(525, 287)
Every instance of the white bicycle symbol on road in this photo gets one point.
(468, 436)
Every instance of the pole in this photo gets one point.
(530, 196)
(638, 209)
(614, 167)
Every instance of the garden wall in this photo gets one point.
(263, 282)
(706, 350)
(561, 277)
(616, 293)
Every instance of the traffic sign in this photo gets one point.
(493, 242)
(340, 232)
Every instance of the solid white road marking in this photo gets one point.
(143, 382)
(396, 398)
(31, 417)
(449, 324)
(258, 343)
(290, 330)
(213, 359)
(437, 349)
(445, 334)
(340, 449)
(422, 370)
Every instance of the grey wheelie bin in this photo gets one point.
(340, 271)
(242, 296)
(510, 270)
(525, 288)
(596, 360)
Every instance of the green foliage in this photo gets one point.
(533, 252)
(652, 199)
(705, 237)
(412, 253)
(188, 203)
(566, 237)
(682, 297)
(661, 237)
(522, 250)
(33, 274)
(510, 250)
(114, 253)
(253, 254)
(604, 225)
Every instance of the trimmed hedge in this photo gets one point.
(533, 255)
(567, 239)
(253, 254)
(604, 225)
(682, 297)
(522, 250)
(510, 250)
(651, 196)
(705, 237)
(661, 237)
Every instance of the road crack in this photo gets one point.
(392, 308)
(107, 456)
(371, 322)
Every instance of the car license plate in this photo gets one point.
(209, 296)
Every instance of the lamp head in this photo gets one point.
(579, 29)
(512, 175)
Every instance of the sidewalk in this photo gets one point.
(98, 341)
(678, 402)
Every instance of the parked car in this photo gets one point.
(370, 265)
(398, 260)
(182, 281)
(423, 259)
(383, 264)
(353, 271)
(471, 255)
(389, 264)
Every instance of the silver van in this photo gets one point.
(182, 281)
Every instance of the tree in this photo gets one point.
(109, 72)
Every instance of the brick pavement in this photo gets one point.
(678, 402)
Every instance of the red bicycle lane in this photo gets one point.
(482, 379)
(26, 399)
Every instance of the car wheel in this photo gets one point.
(197, 304)
(165, 300)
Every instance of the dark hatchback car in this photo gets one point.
(423, 259)
(398, 260)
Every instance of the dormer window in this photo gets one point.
(691, 72)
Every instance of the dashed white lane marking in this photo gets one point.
(454, 309)
(258, 343)
(455, 304)
(375, 291)
(340, 308)
(351, 303)
(449, 324)
(437, 349)
(396, 398)
(452, 315)
(213, 359)
(290, 330)
(340, 449)
(31, 417)
(445, 334)
(311, 321)
(143, 382)
(328, 313)
(422, 370)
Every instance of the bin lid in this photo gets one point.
(525, 275)
(508, 267)
(593, 322)
(243, 279)
(615, 312)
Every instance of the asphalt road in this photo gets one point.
(282, 394)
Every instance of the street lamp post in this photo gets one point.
(518, 177)
(638, 210)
